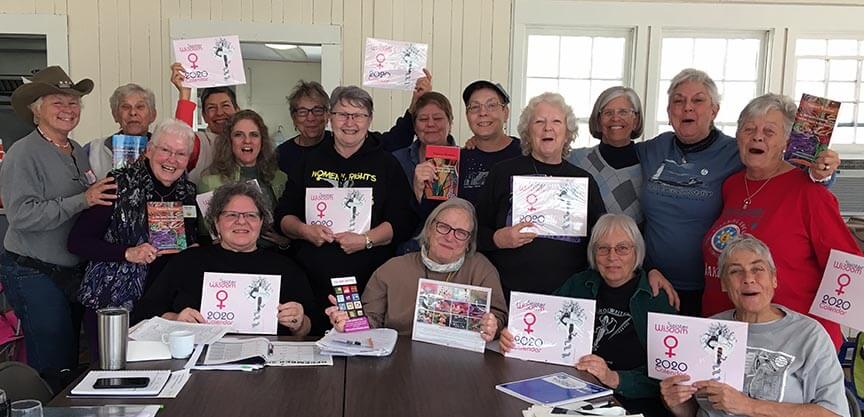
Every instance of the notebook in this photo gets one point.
(157, 382)
(555, 389)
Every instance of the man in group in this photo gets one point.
(487, 109)
(218, 104)
(134, 109)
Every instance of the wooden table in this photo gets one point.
(422, 379)
(418, 379)
(277, 391)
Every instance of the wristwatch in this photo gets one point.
(368, 241)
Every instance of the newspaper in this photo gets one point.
(153, 329)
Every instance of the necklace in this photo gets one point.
(749, 198)
(64, 146)
(537, 171)
(426, 274)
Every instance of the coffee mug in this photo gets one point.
(27, 408)
(181, 343)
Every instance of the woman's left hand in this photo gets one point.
(597, 366)
(658, 282)
(823, 166)
(290, 315)
(488, 327)
(724, 398)
(350, 242)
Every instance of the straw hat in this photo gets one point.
(51, 80)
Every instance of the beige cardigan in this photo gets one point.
(390, 295)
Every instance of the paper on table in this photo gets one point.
(230, 350)
(297, 354)
(110, 410)
(372, 342)
(175, 383)
(153, 329)
(157, 381)
(141, 350)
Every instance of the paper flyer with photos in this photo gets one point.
(210, 62)
(393, 64)
(449, 314)
(246, 302)
(841, 292)
(340, 209)
(558, 206)
(348, 300)
(551, 329)
(704, 349)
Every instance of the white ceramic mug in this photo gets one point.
(181, 343)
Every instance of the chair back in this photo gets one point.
(22, 382)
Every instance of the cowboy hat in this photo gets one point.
(51, 80)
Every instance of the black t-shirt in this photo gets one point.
(543, 265)
(474, 167)
(615, 338)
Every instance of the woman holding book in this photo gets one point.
(117, 239)
(238, 212)
(792, 367)
(433, 120)
(244, 153)
(779, 204)
(448, 241)
(624, 297)
(547, 126)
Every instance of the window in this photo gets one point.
(832, 68)
(734, 61)
(579, 67)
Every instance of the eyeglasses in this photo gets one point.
(622, 113)
(489, 107)
(304, 111)
(234, 216)
(620, 250)
(167, 153)
(342, 116)
(444, 228)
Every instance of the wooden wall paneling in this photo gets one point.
(352, 29)
(442, 65)
(247, 10)
(336, 15)
(291, 11)
(262, 11)
(162, 87)
(201, 10)
(410, 24)
(108, 30)
(18, 6)
(216, 10)
(61, 7)
(321, 11)
(231, 11)
(84, 63)
(43, 7)
(382, 28)
(185, 10)
(501, 29)
(485, 51)
(305, 11)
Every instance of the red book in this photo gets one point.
(446, 183)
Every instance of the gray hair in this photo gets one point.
(311, 89)
(35, 106)
(605, 224)
(173, 127)
(696, 76)
(749, 243)
(763, 104)
(223, 195)
(608, 95)
(129, 89)
(352, 94)
(554, 99)
(457, 204)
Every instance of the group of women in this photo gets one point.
(717, 214)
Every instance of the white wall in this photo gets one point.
(267, 85)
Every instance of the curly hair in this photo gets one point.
(223, 195)
(225, 165)
(554, 99)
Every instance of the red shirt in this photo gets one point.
(800, 222)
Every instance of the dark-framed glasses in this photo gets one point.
(489, 107)
(305, 111)
(234, 216)
(444, 228)
(343, 116)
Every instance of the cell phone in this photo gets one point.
(103, 383)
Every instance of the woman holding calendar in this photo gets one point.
(770, 199)
(791, 365)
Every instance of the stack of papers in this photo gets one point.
(139, 351)
(153, 329)
(575, 409)
(253, 353)
(158, 379)
(373, 342)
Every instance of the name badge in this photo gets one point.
(189, 212)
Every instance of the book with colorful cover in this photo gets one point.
(814, 124)
(127, 149)
(554, 389)
(446, 160)
(167, 230)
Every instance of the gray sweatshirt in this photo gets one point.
(43, 192)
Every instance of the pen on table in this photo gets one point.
(600, 404)
(349, 342)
